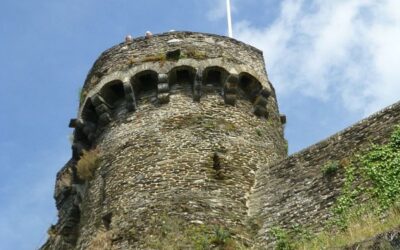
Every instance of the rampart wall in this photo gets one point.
(188, 127)
(295, 191)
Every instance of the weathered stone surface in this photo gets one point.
(199, 46)
(167, 166)
(295, 190)
(196, 136)
(230, 99)
(182, 152)
(388, 241)
(129, 97)
(260, 111)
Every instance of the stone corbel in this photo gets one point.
(163, 89)
(102, 109)
(129, 96)
(230, 89)
(197, 86)
(260, 102)
(87, 128)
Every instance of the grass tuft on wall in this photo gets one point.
(369, 204)
(87, 164)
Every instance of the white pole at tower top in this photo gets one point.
(228, 14)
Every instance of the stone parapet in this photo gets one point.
(181, 122)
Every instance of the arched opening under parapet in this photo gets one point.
(113, 93)
(90, 118)
(215, 77)
(249, 86)
(182, 78)
(88, 112)
(145, 85)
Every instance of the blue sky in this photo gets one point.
(332, 63)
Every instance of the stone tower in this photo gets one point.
(181, 123)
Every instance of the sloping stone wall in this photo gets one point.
(295, 190)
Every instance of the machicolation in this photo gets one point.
(187, 140)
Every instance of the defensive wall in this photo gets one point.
(295, 191)
(187, 127)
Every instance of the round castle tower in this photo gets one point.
(180, 123)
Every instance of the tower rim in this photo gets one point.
(103, 57)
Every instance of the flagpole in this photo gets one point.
(228, 10)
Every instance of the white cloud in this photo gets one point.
(347, 50)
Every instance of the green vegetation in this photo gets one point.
(174, 233)
(283, 240)
(330, 168)
(369, 203)
(194, 53)
(161, 58)
(286, 145)
(360, 227)
(220, 236)
(87, 164)
(155, 58)
(373, 176)
(52, 231)
(290, 239)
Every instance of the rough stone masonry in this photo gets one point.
(182, 122)
(187, 127)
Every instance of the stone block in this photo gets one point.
(130, 106)
(231, 84)
(233, 78)
(97, 100)
(104, 119)
(260, 111)
(163, 98)
(102, 108)
(89, 128)
(196, 96)
(230, 99)
(197, 86)
(129, 97)
(283, 118)
(163, 87)
(77, 149)
(260, 101)
(230, 90)
(265, 93)
(162, 78)
(73, 123)
(173, 55)
(92, 137)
